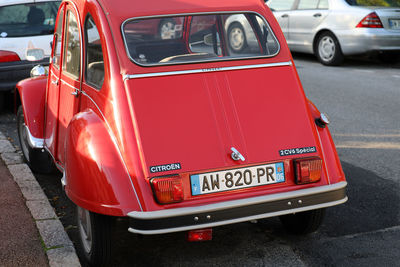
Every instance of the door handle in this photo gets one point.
(55, 82)
(75, 92)
(284, 16)
(316, 15)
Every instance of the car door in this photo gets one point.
(70, 78)
(282, 10)
(53, 86)
(304, 21)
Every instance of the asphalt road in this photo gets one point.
(362, 100)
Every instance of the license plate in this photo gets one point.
(212, 182)
(394, 24)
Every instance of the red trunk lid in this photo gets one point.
(195, 119)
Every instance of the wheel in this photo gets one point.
(328, 50)
(39, 160)
(95, 232)
(166, 29)
(2, 103)
(236, 37)
(303, 222)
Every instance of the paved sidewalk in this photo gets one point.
(20, 240)
(30, 232)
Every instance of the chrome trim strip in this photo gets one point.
(166, 213)
(33, 141)
(63, 181)
(243, 219)
(119, 152)
(323, 153)
(180, 72)
(196, 14)
(67, 84)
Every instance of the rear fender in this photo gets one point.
(32, 94)
(95, 174)
(334, 167)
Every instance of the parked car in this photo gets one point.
(178, 134)
(241, 35)
(26, 32)
(333, 29)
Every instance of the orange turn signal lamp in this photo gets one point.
(167, 189)
(307, 170)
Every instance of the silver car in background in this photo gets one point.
(332, 29)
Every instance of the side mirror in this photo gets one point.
(34, 54)
(38, 70)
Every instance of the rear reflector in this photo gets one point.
(370, 21)
(308, 170)
(200, 235)
(168, 189)
(8, 56)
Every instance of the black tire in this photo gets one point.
(327, 50)
(237, 37)
(166, 29)
(95, 235)
(2, 102)
(39, 160)
(303, 222)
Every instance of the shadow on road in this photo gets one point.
(360, 61)
(374, 204)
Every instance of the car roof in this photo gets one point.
(136, 8)
(15, 2)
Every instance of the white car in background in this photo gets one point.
(26, 33)
(332, 29)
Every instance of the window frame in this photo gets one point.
(86, 39)
(55, 40)
(65, 45)
(199, 61)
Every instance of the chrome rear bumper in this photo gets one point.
(235, 211)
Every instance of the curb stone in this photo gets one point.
(59, 248)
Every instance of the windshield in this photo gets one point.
(28, 19)
(375, 3)
(198, 38)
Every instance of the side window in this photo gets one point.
(323, 4)
(72, 51)
(308, 4)
(278, 5)
(94, 64)
(58, 39)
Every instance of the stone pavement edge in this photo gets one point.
(53, 238)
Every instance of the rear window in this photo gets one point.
(28, 19)
(198, 38)
(374, 3)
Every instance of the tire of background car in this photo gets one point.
(39, 160)
(327, 50)
(236, 37)
(166, 29)
(95, 235)
(303, 222)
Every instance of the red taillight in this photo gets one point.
(199, 235)
(8, 56)
(308, 170)
(370, 21)
(168, 189)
